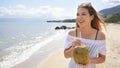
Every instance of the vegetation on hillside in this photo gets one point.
(112, 19)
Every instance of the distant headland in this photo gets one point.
(65, 20)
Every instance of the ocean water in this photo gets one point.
(19, 40)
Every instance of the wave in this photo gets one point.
(21, 53)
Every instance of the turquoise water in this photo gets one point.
(19, 40)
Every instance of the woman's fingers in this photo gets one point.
(76, 43)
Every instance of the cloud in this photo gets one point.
(111, 1)
(40, 12)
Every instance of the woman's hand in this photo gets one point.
(76, 42)
(69, 52)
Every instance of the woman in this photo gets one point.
(90, 34)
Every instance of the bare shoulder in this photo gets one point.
(101, 35)
(72, 32)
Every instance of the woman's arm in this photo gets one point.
(101, 57)
(98, 60)
(69, 51)
(76, 42)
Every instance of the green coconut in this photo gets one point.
(81, 54)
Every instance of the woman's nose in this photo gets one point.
(79, 18)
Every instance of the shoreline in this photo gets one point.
(43, 53)
(56, 58)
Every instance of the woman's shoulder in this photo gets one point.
(101, 35)
(72, 32)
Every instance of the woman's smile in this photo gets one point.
(81, 22)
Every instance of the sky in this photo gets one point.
(48, 9)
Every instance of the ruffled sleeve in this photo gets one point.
(102, 49)
(68, 41)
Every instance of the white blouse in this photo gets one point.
(95, 47)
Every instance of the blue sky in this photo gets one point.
(48, 9)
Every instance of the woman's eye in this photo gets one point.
(77, 14)
(83, 14)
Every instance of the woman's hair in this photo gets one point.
(97, 21)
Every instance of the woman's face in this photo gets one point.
(83, 18)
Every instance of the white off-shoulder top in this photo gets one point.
(95, 47)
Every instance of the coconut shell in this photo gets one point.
(81, 54)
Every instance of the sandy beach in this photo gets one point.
(44, 53)
(57, 60)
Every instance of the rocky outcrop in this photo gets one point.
(63, 27)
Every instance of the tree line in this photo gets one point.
(112, 19)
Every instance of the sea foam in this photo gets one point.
(19, 54)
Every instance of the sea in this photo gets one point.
(20, 40)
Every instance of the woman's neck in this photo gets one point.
(86, 31)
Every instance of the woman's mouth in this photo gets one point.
(81, 22)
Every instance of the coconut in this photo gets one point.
(81, 54)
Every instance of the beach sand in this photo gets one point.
(57, 59)
(113, 47)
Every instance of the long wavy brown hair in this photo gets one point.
(97, 20)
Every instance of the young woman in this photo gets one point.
(89, 24)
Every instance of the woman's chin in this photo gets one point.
(81, 25)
